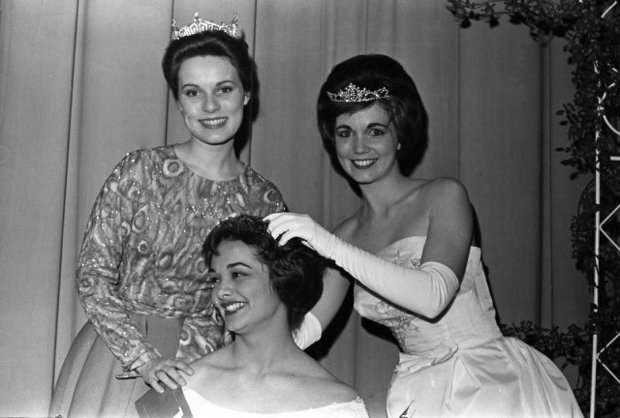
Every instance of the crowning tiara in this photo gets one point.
(200, 25)
(354, 94)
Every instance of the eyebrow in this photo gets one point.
(219, 83)
(370, 125)
(232, 265)
(237, 263)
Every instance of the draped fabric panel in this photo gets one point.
(81, 85)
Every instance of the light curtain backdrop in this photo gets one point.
(81, 85)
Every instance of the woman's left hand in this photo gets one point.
(160, 372)
(283, 226)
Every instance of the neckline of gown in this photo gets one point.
(275, 414)
(236, 179)
(417, 237)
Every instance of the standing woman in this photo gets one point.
(410, 248)
(141, 278)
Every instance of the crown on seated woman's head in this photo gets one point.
(354, 94)
(200, 25)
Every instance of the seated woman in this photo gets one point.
(262, 291)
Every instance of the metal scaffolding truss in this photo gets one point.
(601, 234)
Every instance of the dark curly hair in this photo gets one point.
(295, 271)
(404, 105)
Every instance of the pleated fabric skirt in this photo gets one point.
(87, 385)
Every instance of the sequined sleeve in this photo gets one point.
(264, 196)
(98, 274)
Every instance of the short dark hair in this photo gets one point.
(404, 105)
(220, 44)
(295, 270)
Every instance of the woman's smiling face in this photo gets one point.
(366, 144)
(211, 98)
(242, 291)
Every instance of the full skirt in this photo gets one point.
(502, 378)
(87, 385)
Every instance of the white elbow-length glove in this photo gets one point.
(308, 332)
(426, 291)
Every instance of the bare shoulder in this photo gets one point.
(444, 194)
(319, 383)
(208, 366)
(338, 391)
(330, 390)
(445, 189)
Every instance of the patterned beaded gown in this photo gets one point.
(141, 277)
(460, 365)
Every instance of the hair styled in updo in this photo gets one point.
(219, 44)
(208, 43)
(295, 270)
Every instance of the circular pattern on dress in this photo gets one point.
(125, 229)
(165, 260)
(172, 167)
(86, 283)
(184, 301)
(143, 247)
(271, 196)
(140, 221)
(200, 266)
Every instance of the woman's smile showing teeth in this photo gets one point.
(213, 123)
(232, 307)
(242, 291)
(211, 99)
(366, 144)
(364, 163)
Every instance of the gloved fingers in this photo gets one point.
(280, 227)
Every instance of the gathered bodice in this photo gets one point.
(468, 321)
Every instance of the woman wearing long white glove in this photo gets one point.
(409, 248)
(426, 290)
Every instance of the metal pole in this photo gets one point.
(597, 219)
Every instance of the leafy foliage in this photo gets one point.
(591, 29)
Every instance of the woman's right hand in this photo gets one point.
(285, 225)
(164, 371)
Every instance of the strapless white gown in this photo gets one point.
(460, 365)
(202, 408)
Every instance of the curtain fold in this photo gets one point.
(35, 104)
(81, 85)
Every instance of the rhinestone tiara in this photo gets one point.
(200, 25)
(354, 94)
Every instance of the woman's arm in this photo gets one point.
(334, 291)
(426, 291)
(335, 288)
(98, 276)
